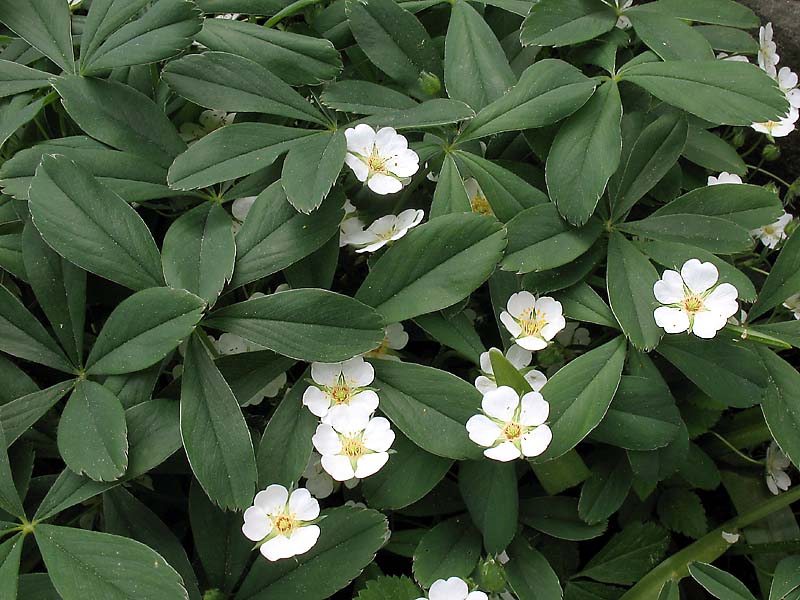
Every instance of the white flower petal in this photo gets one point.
(241, 207)
(706, 324)
(520, 302)
(349, 420)
(554, 325)
(536, 441)
(450, 589)
(699, 277)
(477, 596)
(317, 401)
(671, 320)
(326, 374)
(505, 452)
(358, 166)
(326, 441)
(550, 308)
(482, 430)
(510, 324)
(338, 467)
(669, 289)
(722, 300)
(384, 184)
(535, 409)
(277, 548)
(486, 362)
(396, 336)
(303, 506)
(360, 139)
(369, 464)
(272, 499)
(519, 356)
(358, 372)
(532, 342)
(484, 384)
(303, 539)
(501, 403)
(536, 379)
(366, 401)
(378, 435)
(257, 524)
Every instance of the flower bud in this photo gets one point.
(429, 83)
(491, 576)
(771, 152)
(214, 594)
(738, 139)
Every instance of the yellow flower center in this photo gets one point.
(532, 322)
(769, 230)
(341, 394)
(377, 163)
(512, 431)
(692, 304)
(480, 205)
(353, 447)
(284, 524)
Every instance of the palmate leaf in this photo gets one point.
(564, 22)
(17, 78)
(18, 415)
(45, 25)
(606, 489)
(670, 38)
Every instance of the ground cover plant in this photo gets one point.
(383, 300)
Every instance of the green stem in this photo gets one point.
(746, 333)
(735, 450)
(293, 8)
(769, 174)
(707, 549)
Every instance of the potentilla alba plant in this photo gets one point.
(453, 588)
(778, 463)
(532, 321)
(773, 234)
(341, 384)
(519, 358)
(387, 229)
(394, 338)
(768, 57)
(282, 523)
(380, 158)
(693, 301)
(353, 444)
(724, 177)
(511, 427)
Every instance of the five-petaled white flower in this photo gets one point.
(692, 300)
(520, 359)
(778, 479)
(452, 589)
(353, 444)
(382, 159)
(787, 81)
(771, 235)
(533, 322)
(767, 50)
(394, 338)
(780, 128)
(724, 177)
(384, 230)
(282, 522)
(209, 120)
(477, 199)
(510, 427)
(341, 384)
(793, 304)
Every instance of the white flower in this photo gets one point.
(241, 207)
(741, 320)
(693, 302)
(382, 159)
(318, 482)
(573, 335)
(778, 479)
(230, 343)
(350, 226)
(767, 50)
(780, 128)
(787, 81)
(735, 58)
(623, 22)
(341, 384)
(793, 304)
(724, 177)
(229, 16)
(384, 230)
(353, 444)
(477, 199)
(731, 538)
(452, 589)
(771, 235)
(510, 427)
(533, 322)
(520, 359)
(394, 338)
(209, 120)
(282, 523)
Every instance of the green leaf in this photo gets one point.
(642, 416)
(712, 152)
(364, 98)
(587, 590)
(547, 91)
(393, 39)
(476, 69)
(16, 382)
(681, 511)
(275, 236)
(670, 38)
(452, 256)
(557, 516)
(630, 279)
(126, 516)
(327, 152)
(585, 154)
(718, 583)
(530, 575)
(305, 324)
(604, 492)
(396, 588)
(134, 388)
(651, 156)
(580, 394)
(783, 279)
(719, 91)
(21, 335)
(60, 288)
(295, 58)
(431, 113)
(408, 476)
(781, 403)
(120, 116)
(91, 226)
(110, 567)
(490, 492)
(286, 444)
(673, 255)
(450, 196)
(450, 549)
(348, 541)
(719, 12)
(231, 152)
(316, 270)
(17, 78)
(712, 234)
(431, 407)
(456, 332)
(231, 83)
(629, 555)
(10, 501)
(565, 22)
(539, 239)
(130, 176)
(10, 554)
(507, 193)
(786, 579)
(728, 371)
(18, 111)
(92, 433)
(249, 373)
(45, 25)
(17, 416)
(199, 251)
(728, 39)
(111, 40)
(214, 432)
(582, 303)
(143, 329)
(787, 331)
